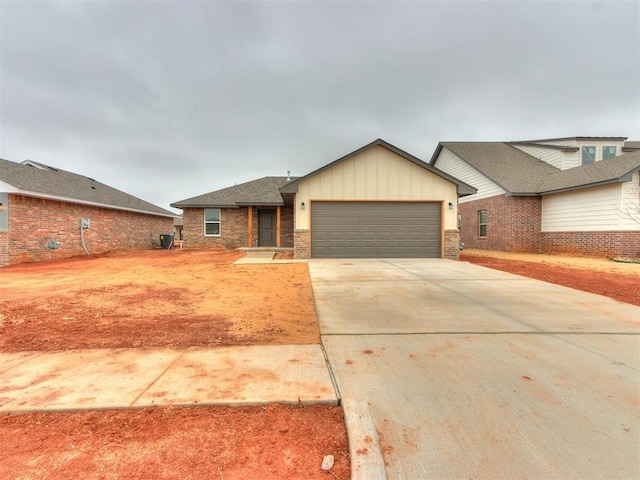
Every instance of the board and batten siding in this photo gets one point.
(376, 174)
(587, 210)
(452, 164)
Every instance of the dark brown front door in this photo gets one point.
(266, 228)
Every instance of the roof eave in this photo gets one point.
(625, 178)
(93, 204)
(293, 186)
(201, 205)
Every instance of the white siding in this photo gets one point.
(376, 174)
(566, 160)
(550, 155)
(592, 209)
(450, 163)
(631, 204)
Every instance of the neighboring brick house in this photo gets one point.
(377, 201)
(577, 195)
(43, 210)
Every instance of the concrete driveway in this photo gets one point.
(474, 373)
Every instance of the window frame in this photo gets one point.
(212, 222)
(609, 147)
(582, 151)
(482, 224)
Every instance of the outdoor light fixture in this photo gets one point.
(450, 206)
(302, 206)
(1, 207)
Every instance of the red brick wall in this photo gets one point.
(233, 228)
(592, 244)
(4, 248)
(33, 221)
(451, 244)
(301, 248)
(513, 223)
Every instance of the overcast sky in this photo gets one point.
(171, 99)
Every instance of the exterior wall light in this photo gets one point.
(450, 206)
(1, 207)
(302, 206)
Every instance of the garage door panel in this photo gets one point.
(375, 229)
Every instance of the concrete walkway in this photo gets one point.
(469, 372)
(131, 378)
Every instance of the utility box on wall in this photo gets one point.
(85, 223)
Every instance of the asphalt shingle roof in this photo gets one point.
(39, 179)
(612, 170)
(264, 191)
(512, 169)
(522, 174)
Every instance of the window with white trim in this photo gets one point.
(588, 155)
(212, 222)
(608, 152)
(482, 223)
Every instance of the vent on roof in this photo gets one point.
(93, 182)
(288, 175)
(39, 166)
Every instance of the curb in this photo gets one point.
(364, 446)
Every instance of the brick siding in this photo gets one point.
(4, 248)
(233, 228)
(513, 224)
(592, 244)
(301, 244)
(35, 221)
(451, 244)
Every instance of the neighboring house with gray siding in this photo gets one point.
(577, 195)
(43, 210)
(377, 201)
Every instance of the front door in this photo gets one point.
(266, 228)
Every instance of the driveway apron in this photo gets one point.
(473, 373)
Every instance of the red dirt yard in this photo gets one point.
(164, 299)
(183, 298)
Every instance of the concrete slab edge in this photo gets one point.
(331, 402)
(364, 446)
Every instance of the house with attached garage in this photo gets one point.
(377, 201)
(576, 195)
(48, 213)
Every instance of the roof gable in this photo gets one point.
(512, 169)
(37, 179)
(463, 188)
(263, 191)
(519, 173)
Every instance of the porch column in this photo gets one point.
(250, 226)
(278, 226)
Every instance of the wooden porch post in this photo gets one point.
(250, 227)
(278, 226)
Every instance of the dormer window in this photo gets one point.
(588, 155)
(608, 152)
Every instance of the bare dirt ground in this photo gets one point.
(614, 279)
(176, 299)
(166, 298)
(183, 298)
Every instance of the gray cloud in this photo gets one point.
(170, 99)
